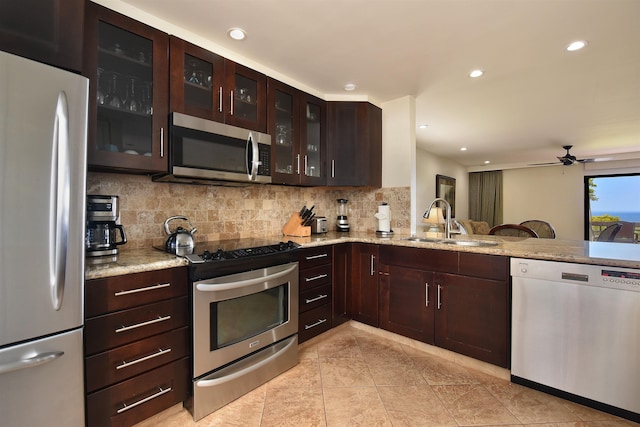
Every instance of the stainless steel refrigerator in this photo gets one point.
(43, 130)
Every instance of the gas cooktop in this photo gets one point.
(214, 259)
(225, 250)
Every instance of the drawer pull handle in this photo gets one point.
(324, 255)
(311, 279)
(146, 399)
(319, 322)
(318, 298)
(160, 352)
(139, 325)
(148, 288)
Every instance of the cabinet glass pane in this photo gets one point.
(198, 82)
(125, 91)
(246, 98)
(312, 164)
(283, 139)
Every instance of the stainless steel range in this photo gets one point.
(245, 318)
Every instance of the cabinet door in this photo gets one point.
(406, 302)
(341, 283)
(48, 31)
(283, 115)
(245, 97)
(472, 317)
(354, 145)
(127, 65)
(197, 78)
(312, 144)
(364, 295)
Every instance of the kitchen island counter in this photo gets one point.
(626, 255)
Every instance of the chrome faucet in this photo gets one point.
(447, 219)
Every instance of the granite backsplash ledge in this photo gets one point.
(229, 212)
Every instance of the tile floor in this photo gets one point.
(354, 376)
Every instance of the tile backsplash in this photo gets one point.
(229, 212)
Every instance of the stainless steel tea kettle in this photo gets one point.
(180, 241)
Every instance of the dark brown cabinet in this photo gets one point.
(136, 345)
(404, 302)
(364, 291)
(315, 288)
(297, 125)
(209, 86)
(197, 80)
(341, 284)
(354, 148)
(457, 301)
(48, 31)
(473, 313)
(127, 65)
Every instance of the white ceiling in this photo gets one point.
(534, 96)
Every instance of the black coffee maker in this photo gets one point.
(103, 234)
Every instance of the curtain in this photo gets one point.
(485, 197)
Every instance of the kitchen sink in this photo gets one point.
(424, 239)
(476, 243)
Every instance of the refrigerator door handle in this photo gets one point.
(31, 362)
(59, 202)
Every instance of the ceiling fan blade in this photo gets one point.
(544, 164)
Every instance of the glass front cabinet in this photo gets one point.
(295, 123)
(211, 87)
(126, 63)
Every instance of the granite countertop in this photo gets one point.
(625, 255)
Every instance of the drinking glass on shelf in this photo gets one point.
(131, 102)
(146, 99)
(100, 92)
(113, 98)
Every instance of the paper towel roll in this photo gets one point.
(384, 218)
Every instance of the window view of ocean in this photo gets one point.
(624, 216)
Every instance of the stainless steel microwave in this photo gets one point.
(207, 152)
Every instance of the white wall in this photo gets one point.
(553, 193)
(430, 165)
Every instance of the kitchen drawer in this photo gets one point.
(486, 266)
(131, 290)
(124, 362)
(316, 276)
(314, 297)
(126, 326)
(138, 398)
(314, 322)
(315, 256)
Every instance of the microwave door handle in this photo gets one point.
(252, 158)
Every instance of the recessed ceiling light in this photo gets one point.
(463, 149)
(486, 162)
(476, 73)
(237, 33)
(423, 126)
(349, 87)
(577, 45)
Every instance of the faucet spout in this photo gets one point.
(447, 220)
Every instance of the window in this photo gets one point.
(612, 208)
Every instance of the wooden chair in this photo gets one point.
(513, 230)
(542, 228)
(610, 232)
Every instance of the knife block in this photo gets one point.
(294, 227)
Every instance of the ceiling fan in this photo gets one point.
(567, 160)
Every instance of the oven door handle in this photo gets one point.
(241, 372)
(205, 287)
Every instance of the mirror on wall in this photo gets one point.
(446, 189)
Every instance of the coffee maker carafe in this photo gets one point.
(342, 223)
(101, 236)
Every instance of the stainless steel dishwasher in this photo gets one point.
(576, 333)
